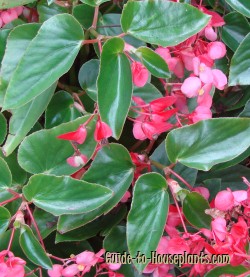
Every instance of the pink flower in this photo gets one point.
(219, 228)
(56, 271)
(224, 200)
(201, 113)
(125, 197)
(78, 136)
(164, 53)
(191, 86)
(203, 191)
(178, 245)
(102, 131)
(11, 265)
(219, 79)
(203, 71)
(70, 271)
(139, 74)
(114, 266)
(76, 161)
(216, 50)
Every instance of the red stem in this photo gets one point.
(95, 17)
(35, 225)
(11, 238)
(10, 200)
(179, 177)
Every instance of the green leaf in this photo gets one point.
(6, 4)
(162, 22)
(3, 40)
(46, 222)
(94, 3)
(33, 249)
(64, 195)
(84, 14)
(19, 176)
(47, 10)
(114, 85)
(230, 177)
(242, 6)
(4, 219)
(246, 110)
(61, 109)
(239, 69)
(3, 128)
(54, 49)
(223, 270)
(111, 168)
(17, 43)
(5, 181)
(24, 118)
(147, 216)
(194, 206)
(87, 77)
(36, 155)
(153, 62)
(208, 142)
(235, 29)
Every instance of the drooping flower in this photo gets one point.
(77, 160)
(78, 136)
(139, 74)
(102, 131)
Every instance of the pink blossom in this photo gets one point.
(219, 79)
(56, 271)
(239, 196)
(203, 71)
(176, 65)
(210, 33)
(139, 74)
(78, 136)
(216, 50)
(164, 53)
(70, 270)
(125, 197)
(160, 104)
(224, 200)
(102, 131)
(219, 228)
(191, 87)
(114, 266)
(203, 191)
(201, 113)
(77, 160)
(178, 245)
(11, 265)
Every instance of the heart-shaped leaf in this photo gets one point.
(208, 142)
(242, 6)
(147, 216)
(162, 22)
(50, 54)
(64, 195)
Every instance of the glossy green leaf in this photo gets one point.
(17, 43)
(5, 4)
(228, 269)
(61, 109)
(33, 249)
(94, 3)
(162, 22)
(64, 195)
(153, 62)
(5, 181)
(208, 142)
(235, 29)
(148, 93)
(4, 219)
(246, 110)
(87, 77)
(84, 14)
(24, 118)
(36, 155)
(194, 206)
(3, 128)
(46, 222)
(3, 40)
(242, 6)
(147, 216)
(114, 85)
(230, 177)
(19, 176)
(47, 10)
(54, 49)
(239, 69)
(111, 168)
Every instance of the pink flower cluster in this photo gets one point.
(10, 265)
(6, 16)
(82, 263)
(228, 234)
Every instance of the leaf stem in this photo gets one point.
(11, 238)
(169, 170)
(95, 17)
